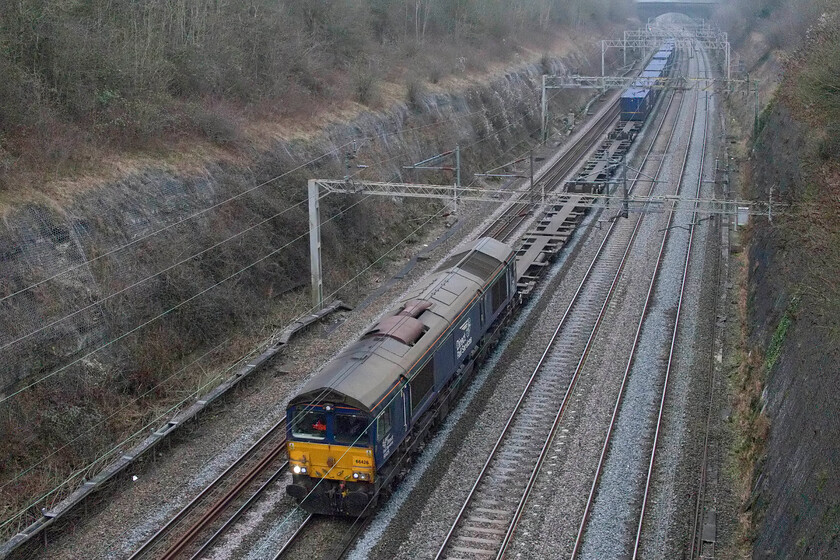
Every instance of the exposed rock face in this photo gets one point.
(797, 494)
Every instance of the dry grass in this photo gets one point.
(90, 162)
(751, 425)
(126, 414)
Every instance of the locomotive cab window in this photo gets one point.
(421, 385)
(499, 292)
(383, 425)
(351, 429)
(311, 424)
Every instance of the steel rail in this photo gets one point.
(525, 392)
(575, 376)
(523, 501)
(359, 525)
(696, 534)
(242, 509)
(294, 537)
(637, 336)
(220, 505)
(696, 539)
(344, 532)
(673, 339)
(537, 369)
(155, 539)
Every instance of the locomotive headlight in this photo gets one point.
(356, 475)
(296, 469)
(303, 470)
(361, 476)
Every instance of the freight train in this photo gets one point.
(353, 428)
(638, 100)
(636, 103)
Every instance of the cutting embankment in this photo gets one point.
(785, 409)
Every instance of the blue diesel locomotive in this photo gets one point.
(354, 427)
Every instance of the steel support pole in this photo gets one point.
(728, 69)
(603, 51)
(770, 206)
(624, 48)
(533, 193)
(603, 66)
(543, 116)
(457, 174)
(625, 205)
(315, 246)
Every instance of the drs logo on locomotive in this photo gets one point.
(387, 444)
(464, 340)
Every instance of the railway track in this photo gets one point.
(673, 346)
(337, 537)
(193, 531)
(293, 539)
(501, 229)
(505, 226)
(231, 493)
(487, 520)
(615, 547)
(703, 528)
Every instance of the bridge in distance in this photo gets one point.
(694, 8)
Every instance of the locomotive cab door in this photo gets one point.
(406, 406)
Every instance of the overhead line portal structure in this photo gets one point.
(500, 195)
(652, 41)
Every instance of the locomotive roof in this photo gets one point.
(365, 372)
(635, 93)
